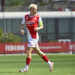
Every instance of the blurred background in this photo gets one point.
(58, 18)
(43, 5)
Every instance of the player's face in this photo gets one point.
(33, 10)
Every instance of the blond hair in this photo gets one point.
(33, 6)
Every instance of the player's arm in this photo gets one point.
(40, 25)
(22, 26)
(21, 29)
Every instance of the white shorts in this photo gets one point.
(33, 43)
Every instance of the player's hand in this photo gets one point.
(36, 29)
(22, 32)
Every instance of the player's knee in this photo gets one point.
(28, 50)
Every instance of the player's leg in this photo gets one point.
(43, 56)
(29, 50)
(28, 60)
(38, 51)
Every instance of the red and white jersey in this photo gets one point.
(31, 23)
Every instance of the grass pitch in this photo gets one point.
(63, 65)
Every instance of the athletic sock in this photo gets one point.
(27, 66)
(28, 60)
(45, 58)
(49, 63)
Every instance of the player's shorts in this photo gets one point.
(33, 43)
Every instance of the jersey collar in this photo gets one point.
(32, 16)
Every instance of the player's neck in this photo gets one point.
(32, 14)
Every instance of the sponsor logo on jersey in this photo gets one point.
(30, 22)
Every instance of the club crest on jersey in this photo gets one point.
(26, 18)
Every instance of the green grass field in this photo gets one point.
(63, 65)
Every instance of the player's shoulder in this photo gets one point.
(37, 15)
(26, 15)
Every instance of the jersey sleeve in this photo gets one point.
(23, 20)
(40, 21)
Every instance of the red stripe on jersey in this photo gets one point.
(31, 24)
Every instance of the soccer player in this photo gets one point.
(33, 24)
